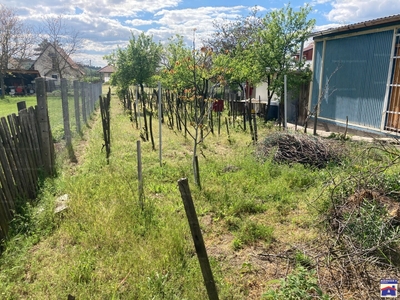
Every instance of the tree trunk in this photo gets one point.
(250, 116)
(151, 124)
(144, 112)
(269, 100)
(2, 86)
(196, 170)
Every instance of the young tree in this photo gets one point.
(58, 43)
(15, 42)
(283, 31)
(190, 74)
(136, 64)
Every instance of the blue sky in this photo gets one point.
(105, 25)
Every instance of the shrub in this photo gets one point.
(301, 284)
(250, 232)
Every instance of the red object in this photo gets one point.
(18, 90)
(248, 90)
(218, 105)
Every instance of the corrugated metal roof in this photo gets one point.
(360, 25)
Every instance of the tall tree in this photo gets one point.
(15, 41)
(233, 42)
(283, 31)
(232, 36)
(58, 43)
(138, 63)
(41, 46)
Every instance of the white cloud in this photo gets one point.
(326, 26)
(184, 21)
(139, 22)
(105, 25)
(353, 11)
(105, 8)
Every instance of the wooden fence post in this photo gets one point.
(64, 99)
(105, 120)
(255, 128)
(21, 105)
(76, 102)
(46, 138)
(198, 239)
(315, 120)
(227, 127)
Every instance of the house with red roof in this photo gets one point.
(105, 73)
(54, 63)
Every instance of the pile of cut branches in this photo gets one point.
(298, 148)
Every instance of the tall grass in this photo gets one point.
(104, 246)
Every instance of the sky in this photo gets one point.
(105, 25)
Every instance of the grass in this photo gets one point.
(9, 106)
(105, 247)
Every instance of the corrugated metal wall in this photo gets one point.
(358, 67)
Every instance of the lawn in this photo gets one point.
(9, 106)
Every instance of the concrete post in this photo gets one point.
(64, 99)
(83, 97)
(47, 149)
(76, 102)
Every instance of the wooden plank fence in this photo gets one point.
(26, 154)
(27, 148)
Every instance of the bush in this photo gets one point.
(301, 284)
(250, 232)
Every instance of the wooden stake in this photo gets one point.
(198, 239)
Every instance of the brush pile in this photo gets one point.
(286, 147)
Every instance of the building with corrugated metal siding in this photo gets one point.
(356, 75)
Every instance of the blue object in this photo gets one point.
(273, 111)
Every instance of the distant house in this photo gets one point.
(105, 73)
(356, 75)
(20, 64)
(54, 63)
(307, 54)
